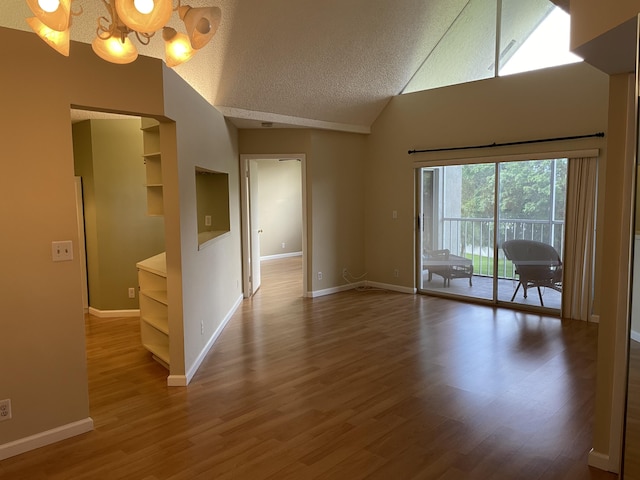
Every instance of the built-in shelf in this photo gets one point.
(154, 310)
(153, 166)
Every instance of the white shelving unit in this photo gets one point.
(154, 314)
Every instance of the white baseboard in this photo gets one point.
(113, 313)
(48, 437)
(601, 461)
(177, 381)
(332, 290)
(393, 288)
(184, 380)
(281, 255)
(635, 336)
(364, 283)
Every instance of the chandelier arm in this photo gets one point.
(105, 32)
(144, 38)
(77, 12)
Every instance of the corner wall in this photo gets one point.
(41, 313)
(41, 308)
(205, 285)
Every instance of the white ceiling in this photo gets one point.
(326, 64)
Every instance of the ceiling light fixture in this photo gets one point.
(143, 18)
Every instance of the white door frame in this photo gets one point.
(245, 215)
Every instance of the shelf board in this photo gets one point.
(160, 351)
(157, 295)
(156, 264)
(159, 323)
(151, 155)
(151, 128)
(154, 185)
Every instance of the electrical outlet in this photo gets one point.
(132, 292)
(319, 275)
(344, 272)
(5, 410)
(201, 327)
(207, 220)
(396, 273)
(283, 244)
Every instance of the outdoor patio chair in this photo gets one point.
(448, 266)
(537, 265)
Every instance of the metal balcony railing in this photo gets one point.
(474, 238)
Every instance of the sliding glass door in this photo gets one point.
(493, 231)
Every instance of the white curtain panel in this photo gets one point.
(579, 247)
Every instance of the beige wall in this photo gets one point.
(335, 208)
(119, 233)
(280, 206)
(40, 301)
(616, 227)
(592, 18)
(557, 102)
(205, 284)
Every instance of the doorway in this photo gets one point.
(269, 213)
(469, 214)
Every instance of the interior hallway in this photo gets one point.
(354, 385)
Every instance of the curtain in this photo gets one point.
(579, 246)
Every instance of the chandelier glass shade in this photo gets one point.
(140, 18)
(144, 16)
(59, 41)
(178, 48)
(115, 50)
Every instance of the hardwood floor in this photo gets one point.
(355, 385)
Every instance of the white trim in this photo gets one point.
(393, 288)
(184, 380)
(332, 290)
(113, 313)
(590, 153)
(288, 120)
(601, 461)
(594, 319)
(635, 336)
(364, 283)
(177, 381)
(47, 437)
(280, 255)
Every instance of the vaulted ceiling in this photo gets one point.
(332, 64)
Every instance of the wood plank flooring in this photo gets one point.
(355, 385)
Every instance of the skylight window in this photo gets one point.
(534, 35)
(547, 46)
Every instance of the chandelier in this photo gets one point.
(142, 18)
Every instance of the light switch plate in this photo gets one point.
(62, 251)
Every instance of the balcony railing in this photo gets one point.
(473, 238)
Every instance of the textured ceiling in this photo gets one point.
(329, 63)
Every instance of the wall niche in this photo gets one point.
(212, 204)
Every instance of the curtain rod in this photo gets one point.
(557, 139)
